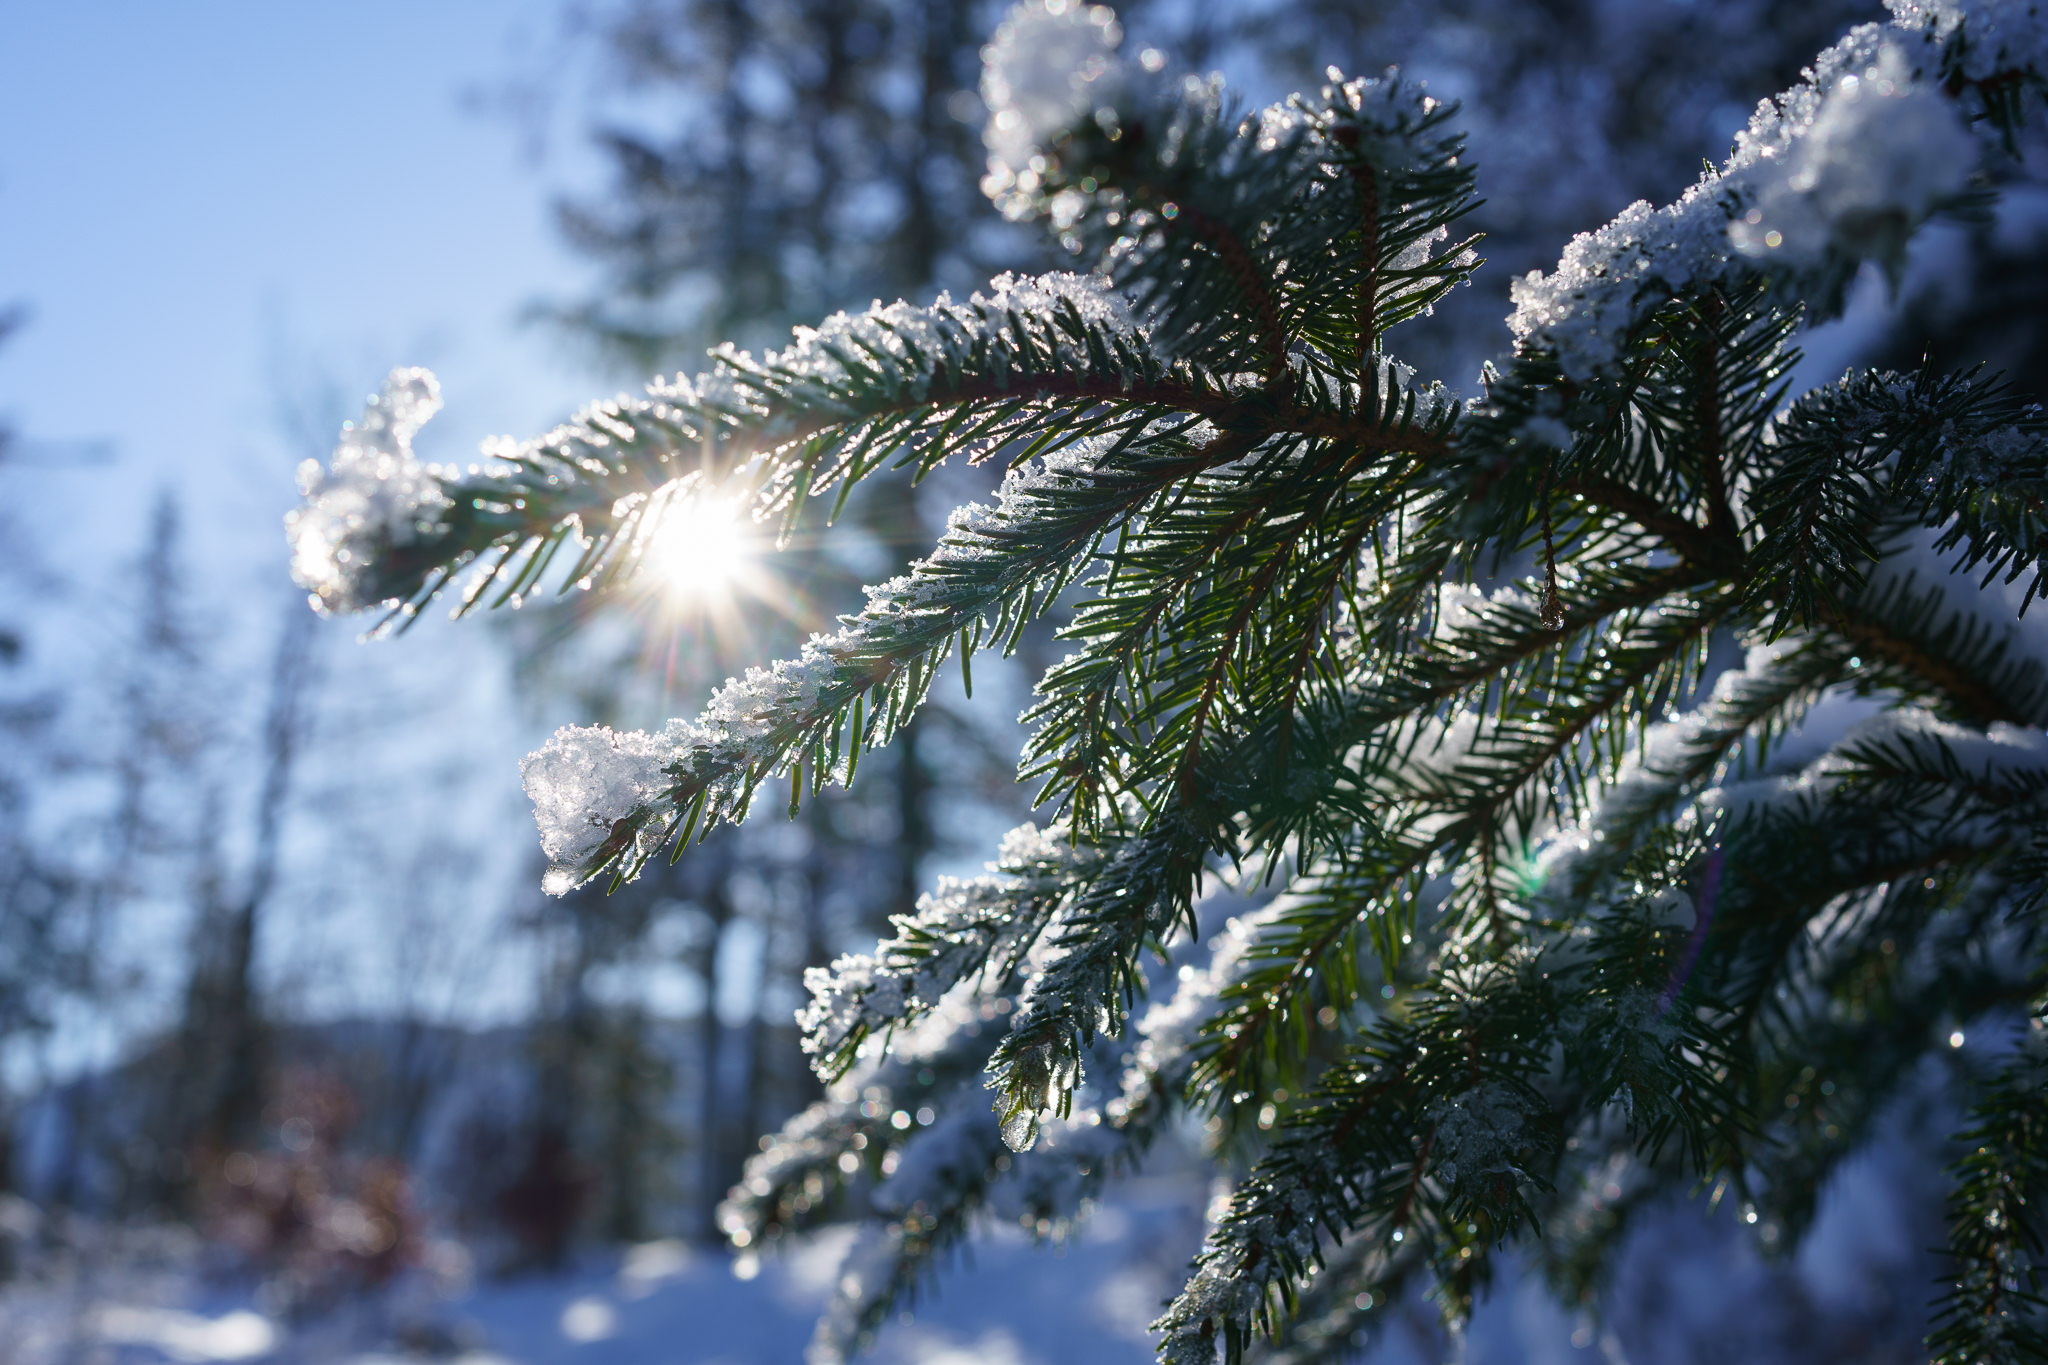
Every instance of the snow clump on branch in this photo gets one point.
(585, 779)
(1051, 65)
(372, 497)
(1881, 151)
(1997, 35)
(1838, 168)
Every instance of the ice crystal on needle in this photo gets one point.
(826, 368)
(1093, 296)
(373, 496)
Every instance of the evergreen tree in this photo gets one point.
(801, 156)
(48, 933)
(1575, 895)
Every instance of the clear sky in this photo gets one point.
(202, 201)
(184, 186)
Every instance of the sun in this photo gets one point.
(701, 549)
(711, 587)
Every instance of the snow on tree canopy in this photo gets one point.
(372, 496)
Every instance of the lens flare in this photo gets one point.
(700, 550)
(710, 589)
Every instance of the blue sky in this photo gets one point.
(197, 198)
(184, 186)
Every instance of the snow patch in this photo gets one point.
(240, 1335)
(1996, 35)
(1843, 164)
(588, 777)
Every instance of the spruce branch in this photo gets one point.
(1442, 1122)
(962, 931)
(1993, 1308)
(1451, 675)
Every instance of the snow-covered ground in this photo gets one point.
(1689, 1288)
(138, 1299)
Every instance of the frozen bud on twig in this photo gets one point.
(1037, 1078)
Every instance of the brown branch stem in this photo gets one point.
(1968, 692)
(1228, 647)
(1250, 281)
(1709, 419)
(1367, 180)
